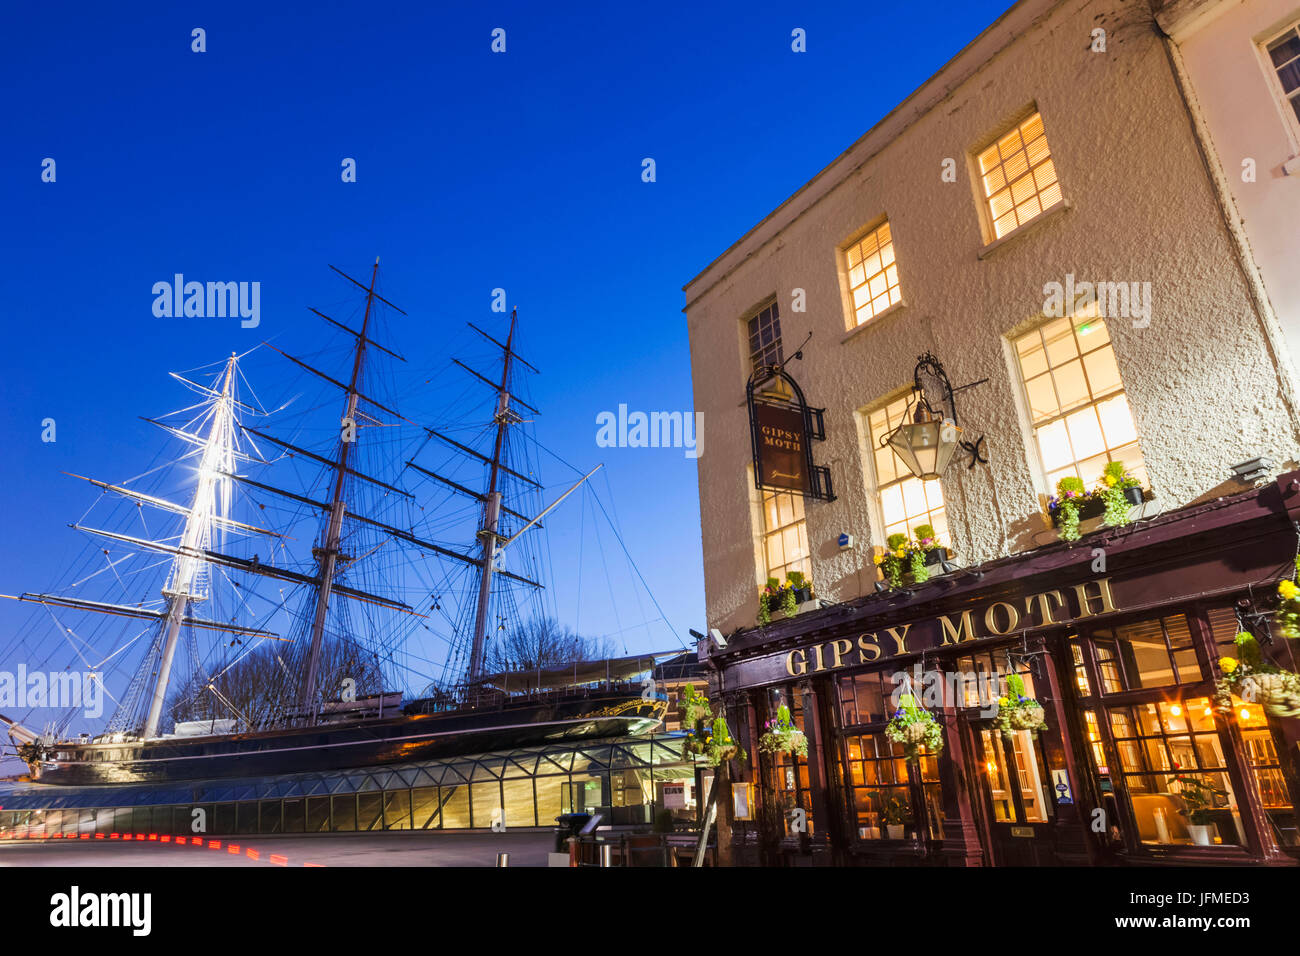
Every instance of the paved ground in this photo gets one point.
(360, 849)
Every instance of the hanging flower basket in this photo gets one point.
(695, 708)
(1018, 712)
(1256, 681)
(781, 736)
(914, 727)
(706, 736)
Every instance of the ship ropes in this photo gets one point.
(313, 543)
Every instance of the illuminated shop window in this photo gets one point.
(876, 771)
(1018, 177)
(905, 500)
(1257, 739)
(1284, 55)
(790, 771)
(1172, 762)
(1077, 406)
(873, 274)
(785, 535)
(1152, 653)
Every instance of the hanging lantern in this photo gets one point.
(925, 445)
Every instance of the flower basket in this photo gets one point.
(718, 744)
(776, 597)
(780, 735)
(1117, 493)
(1095, 507)
(907, 562)
(1256, 681)
(1018, 712)
(915, 728)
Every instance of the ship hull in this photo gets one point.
(348, 745)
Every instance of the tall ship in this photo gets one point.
(264, 654)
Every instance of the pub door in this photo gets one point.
(1016, 794)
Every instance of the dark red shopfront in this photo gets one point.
(1117, 636)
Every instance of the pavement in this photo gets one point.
(527, 848)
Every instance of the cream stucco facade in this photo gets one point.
(1220, 50)
(1207, 378)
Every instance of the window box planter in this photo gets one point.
(936, 556)
(1095, 507)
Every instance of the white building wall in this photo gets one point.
(1204, 378)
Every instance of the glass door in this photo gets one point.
(1016, 791)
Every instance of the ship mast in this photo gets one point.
(218, 459)
(492, 510)
(329, 555)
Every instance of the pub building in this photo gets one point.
(1122, 662)
(915, 350)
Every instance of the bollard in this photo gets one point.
(503, 859)
(606, 854)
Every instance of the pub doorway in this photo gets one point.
(1010, 786)
(1015, 792)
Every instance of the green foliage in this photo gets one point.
(780, 735)
(1115, 473)
(896, 812)
(1252, 678)
(896, 541)
(915, 728)
(1070, 497)
(916, 562)
(695, 707)
(1070, 484)
(1018, 712)
(796, 579)
(1201, 799)
(925, 537)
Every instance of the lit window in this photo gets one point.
(1019, 177)
(785, 535)
(1077, 405)
(873, 275)
(1284, 53)
(765, 337)
(905, 500)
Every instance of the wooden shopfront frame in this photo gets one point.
(1184, 563)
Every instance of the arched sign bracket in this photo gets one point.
(782, 431)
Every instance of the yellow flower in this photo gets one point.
(1287, 589)
(900, 553)
(878, 558)
(1002, 702)
(1227, 664)
(1110, 481)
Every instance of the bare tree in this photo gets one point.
(542, 642)
(261, 688)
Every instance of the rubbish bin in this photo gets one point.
(570, 825)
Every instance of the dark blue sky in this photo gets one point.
(475, 171)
